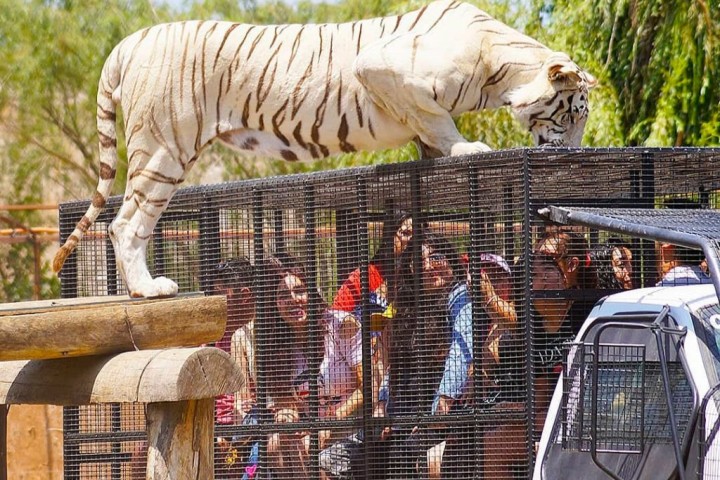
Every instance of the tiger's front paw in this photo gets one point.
(467, 148)
(157, 288)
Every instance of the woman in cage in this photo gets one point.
(341, 369)
(431, 292)
(498, 318)
(612, 261)
(295, 358)
(561, 261)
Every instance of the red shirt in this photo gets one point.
(348, 295)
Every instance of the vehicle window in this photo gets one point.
(622, 373)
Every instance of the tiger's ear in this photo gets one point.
(591, 80)
(564, 72)
(568, 72)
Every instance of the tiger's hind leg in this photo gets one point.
(411, 89)
(150, 187)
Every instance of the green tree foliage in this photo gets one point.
(658, 62)
(51, 53)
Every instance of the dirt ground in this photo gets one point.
(34, 449)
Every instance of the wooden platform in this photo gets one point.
(104, 325)
(118, 349)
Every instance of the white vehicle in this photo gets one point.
(639, 396)
(610, 416)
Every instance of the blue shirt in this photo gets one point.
(460, 356)
(684, 275)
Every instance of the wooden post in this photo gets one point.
(180, 440)
(179, 385)
(3, 442)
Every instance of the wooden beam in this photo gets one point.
(140, 376)
(104, 325)
(180, 440)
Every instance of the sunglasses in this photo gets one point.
(437, 259)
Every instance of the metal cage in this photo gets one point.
(445, 389)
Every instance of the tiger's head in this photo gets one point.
(554, 105)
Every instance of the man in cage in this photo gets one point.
(234, 279)
(453, 457)
(679, 265)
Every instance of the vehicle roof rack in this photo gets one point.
(693, 228)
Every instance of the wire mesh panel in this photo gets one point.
(630, 403)
(398, 321)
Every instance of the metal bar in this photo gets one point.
(262, 288)
(479, 327)
(71, 451)
(526, 316)
(314, 334)
(3, 441)
(657, 330)
(366, 322)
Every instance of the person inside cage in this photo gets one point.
(453, 457)
(560, 261)
(295, 357)
(420, 337)
(234, 279)
(678, 265)
(341, 369)
(612, 262)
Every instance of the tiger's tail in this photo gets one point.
(108, 96)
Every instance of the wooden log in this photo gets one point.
(140, 376)
(104, 325)
(180, 440)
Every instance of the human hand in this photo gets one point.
(323, 437)
(444, 405)
(286, 415)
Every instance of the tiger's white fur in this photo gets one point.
(308, 91)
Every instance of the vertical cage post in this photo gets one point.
(364, 253)
(479, 323)
(261, 285)
(71, 450)
(526, 317)
(3, 441)
(69, 289)
(645, 192)
(210, 247)
(315, 336)
(111, 268)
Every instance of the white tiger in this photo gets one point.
(308, 91)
